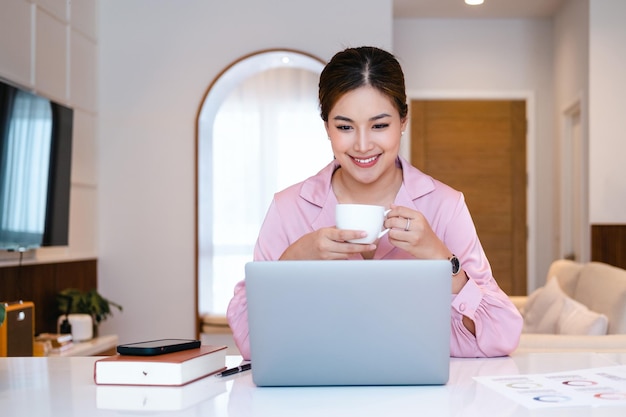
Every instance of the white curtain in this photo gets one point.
(267, 135)
(24, 175)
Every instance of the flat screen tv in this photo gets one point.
(35, 169)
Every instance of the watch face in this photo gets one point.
(456, 265)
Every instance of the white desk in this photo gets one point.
(63, 386)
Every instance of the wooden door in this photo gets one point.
(479, 148)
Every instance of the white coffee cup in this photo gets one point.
(364, 217)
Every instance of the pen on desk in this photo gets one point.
(232, 371)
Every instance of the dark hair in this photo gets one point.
(356, 67)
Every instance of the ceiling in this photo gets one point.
(499, 9)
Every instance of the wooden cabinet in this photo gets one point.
(40, 282)
(608, 244)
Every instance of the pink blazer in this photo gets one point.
(310, 205)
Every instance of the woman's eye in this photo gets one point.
(381, 125)
(344, 127)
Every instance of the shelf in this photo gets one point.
(99, 346)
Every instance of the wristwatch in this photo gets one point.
(456, 265)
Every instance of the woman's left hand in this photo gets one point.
(411, 232)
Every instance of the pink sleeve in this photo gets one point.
(498, 322)
(269, 246)
(237, 315)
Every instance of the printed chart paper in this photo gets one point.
(595, 387)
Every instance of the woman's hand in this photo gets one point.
(327, 243)
(411, 232)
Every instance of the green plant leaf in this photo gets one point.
(74, 301)
(1, 314)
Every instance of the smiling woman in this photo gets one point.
(258, 129)
(364, 107)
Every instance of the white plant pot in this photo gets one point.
(82, 326)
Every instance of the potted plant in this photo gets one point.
(74, 301)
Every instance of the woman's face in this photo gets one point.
(365, 128)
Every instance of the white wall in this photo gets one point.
(493, 58)
(607, 121)
(157, 60)
(50, 46)
(571, 89)
(571, 58)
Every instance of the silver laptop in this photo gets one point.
(370, 322)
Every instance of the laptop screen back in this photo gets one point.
(370, 322)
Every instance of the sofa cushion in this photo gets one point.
(542, 309)
(576, 318)
(567, 272)
(602, 288)
(549, 310)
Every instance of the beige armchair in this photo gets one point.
(581, 307)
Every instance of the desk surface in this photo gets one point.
(63, 386)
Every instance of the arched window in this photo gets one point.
(259, 131)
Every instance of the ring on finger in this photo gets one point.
(408, 225)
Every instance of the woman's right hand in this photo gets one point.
(326, 244)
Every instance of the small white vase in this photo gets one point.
(82, 326)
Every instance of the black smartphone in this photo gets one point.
(157, 347)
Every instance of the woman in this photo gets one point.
(363, 105)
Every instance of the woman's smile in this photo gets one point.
(365, 162)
